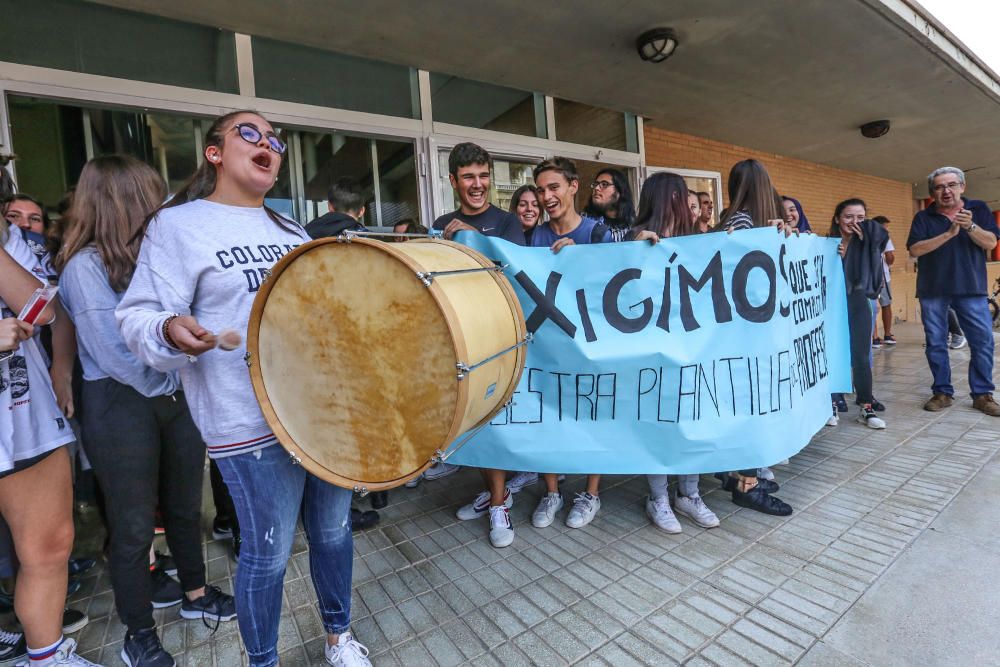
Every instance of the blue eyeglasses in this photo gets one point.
(251, 134)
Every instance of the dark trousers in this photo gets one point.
(145, 452)
(224, 510)
(859, 322)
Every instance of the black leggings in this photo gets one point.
(145, 452)
(859, 321)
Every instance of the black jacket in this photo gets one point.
(863, 262)
(333, 224)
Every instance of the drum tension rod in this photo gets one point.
(427, 277)
(464, 368)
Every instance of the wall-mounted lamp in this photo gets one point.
(875, 129)
(656, 45)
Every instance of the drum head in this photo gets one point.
(354, 363)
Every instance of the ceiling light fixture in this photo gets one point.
(656, 45)
(875, 129)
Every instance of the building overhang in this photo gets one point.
(793, 77)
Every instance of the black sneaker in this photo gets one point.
(379, 499)
(214, 605)
(80, 565)
(166, 563)
(758, 499)
(363, 520)
(876, 405)
(729, 483)
(74, 620)
(222, 528)
(166, 590)
(12, 646)
(143, 649)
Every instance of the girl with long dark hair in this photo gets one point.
(527, 206)
(665, 212)
(753, 202)
(194, 277)
(862, 242)
(138, 432)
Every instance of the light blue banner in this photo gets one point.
(704, 353)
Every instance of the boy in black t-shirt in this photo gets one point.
(469, 173)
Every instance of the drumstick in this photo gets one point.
(227, 339)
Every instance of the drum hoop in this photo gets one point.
(257, 379)
(519, 323)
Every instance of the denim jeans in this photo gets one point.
(268, 491)
(974, 316)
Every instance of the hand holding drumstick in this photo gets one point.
(184, 333)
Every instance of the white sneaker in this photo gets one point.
(347, 652)
(65, 655)
(765, 473)
(521, 480)
(546, 511)
(501, 532)
(694, 508)
(584, 509)
(439, 470)
(870, 418)
(659, 512)
(415, 482)
(481, 505)
(834, 419)
(956, 342)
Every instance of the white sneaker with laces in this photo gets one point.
(584, 509)
(870, 418)
(415, 482)
(521, 480)
(694, 508)
(834, 419)
(501, 531)
(65, 655)
(546, 511)
(659, 512)
(765, 473)
(347, 652)
(957, 342)
(439, 470)
(481, 505)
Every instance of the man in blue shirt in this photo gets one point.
(950, 239)
(558, 182)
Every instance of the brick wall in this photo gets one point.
(818, 187)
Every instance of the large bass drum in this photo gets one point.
(370, 358)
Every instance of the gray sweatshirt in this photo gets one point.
(90, 302)
(207, 260)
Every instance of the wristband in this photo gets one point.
(165, 331)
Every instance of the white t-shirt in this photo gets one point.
(885, 267)
(31, 423)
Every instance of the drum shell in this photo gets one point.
(352, 412)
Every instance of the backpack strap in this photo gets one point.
(598, 232)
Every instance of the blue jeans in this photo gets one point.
(269, 491)
(974, 316)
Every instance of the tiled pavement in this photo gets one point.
(757, 590)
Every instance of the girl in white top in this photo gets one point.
(202, 261)
(36, 490)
